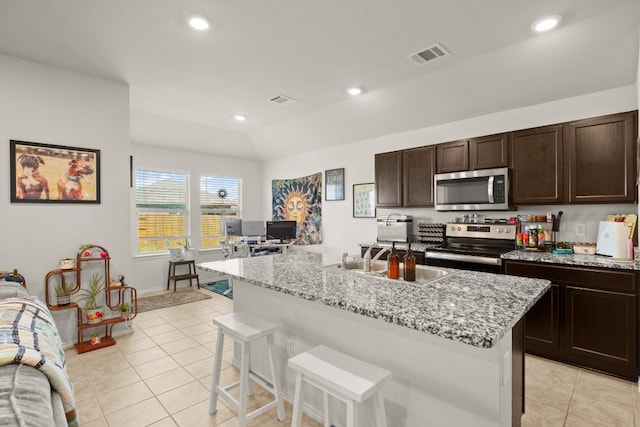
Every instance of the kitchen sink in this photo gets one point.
(424, 273)
(429, 274)
(358, 265)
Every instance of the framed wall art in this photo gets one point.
(45, 173)
(334, 179)
(364, 201)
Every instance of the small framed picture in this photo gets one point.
(364, 200)
(335, 184)
(45, 173)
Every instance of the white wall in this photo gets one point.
(341, 232)
(49, 105)
(150, 272)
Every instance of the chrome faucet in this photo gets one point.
(367, 261)
(343, 263)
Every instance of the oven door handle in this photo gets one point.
(490, 189)
(464, 258)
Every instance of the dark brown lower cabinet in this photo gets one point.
(601, 328)
(543, 322)
(517, 372)
(587, 318)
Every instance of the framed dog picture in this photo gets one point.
(45, 173)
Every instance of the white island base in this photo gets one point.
(436, 381)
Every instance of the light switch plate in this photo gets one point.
(580, 229)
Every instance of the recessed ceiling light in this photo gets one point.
(353, 91)
(545, 24)
(199, 22)
(240, 117)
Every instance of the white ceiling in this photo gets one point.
(186, 86)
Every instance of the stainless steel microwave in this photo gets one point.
(479, 190)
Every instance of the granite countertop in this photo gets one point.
(572, 259)
(469, 307)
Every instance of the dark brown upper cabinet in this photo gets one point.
(602, 159)
(489, 152)
(388, 176)
(537, 166)
(584, 161)
(405, 178)
(419, 167)
(453, 156)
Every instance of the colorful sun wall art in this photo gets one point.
(300, 200)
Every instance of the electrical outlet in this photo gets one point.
(580, 229)
(290, 347)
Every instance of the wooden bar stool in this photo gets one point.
(245, 328)
(191, 264)
(342, 376)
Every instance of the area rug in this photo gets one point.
(220, 287)
(169, 300)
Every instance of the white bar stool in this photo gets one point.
(245, 328)
(344, 377)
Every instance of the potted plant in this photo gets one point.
(189, 253)
(125, 311)
(63, 292)
(95, 338)
(93, 311)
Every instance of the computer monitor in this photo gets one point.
(253, 228)
(281, 230)
(232, 227)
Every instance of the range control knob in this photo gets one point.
(453, 228)
(459, 228)
(500, 230)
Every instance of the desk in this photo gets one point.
(185, 276)
(255, 248)
(245, 250)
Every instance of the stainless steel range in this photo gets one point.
(473, 246)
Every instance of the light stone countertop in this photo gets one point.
(472, 308)
(416, 247)
(572, 259)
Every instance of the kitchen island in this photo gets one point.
(448, 343)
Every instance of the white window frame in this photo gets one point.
(171, 240)
(224, 212)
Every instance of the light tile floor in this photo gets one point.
(160, 375)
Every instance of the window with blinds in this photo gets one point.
(162, 202)
(219, 199)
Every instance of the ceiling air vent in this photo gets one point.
(429, 54)
(281, 99)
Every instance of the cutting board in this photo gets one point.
(629, 220)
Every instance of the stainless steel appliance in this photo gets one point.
(474, 246)
(395, 228)
(486, 189)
